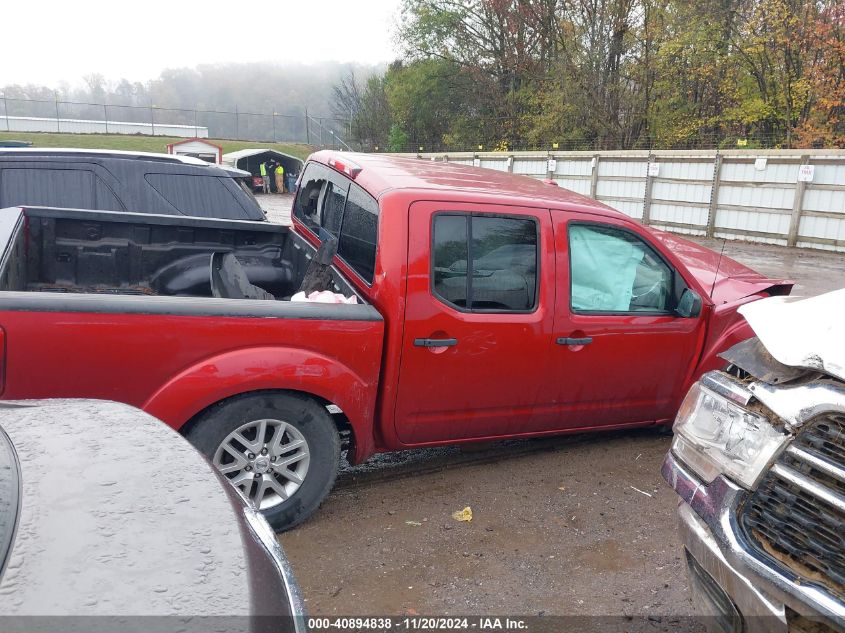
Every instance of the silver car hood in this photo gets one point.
(801, 332)
(119, 516)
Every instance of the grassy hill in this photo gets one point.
(139, 143)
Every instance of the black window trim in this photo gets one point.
(368, 284)
(484, 214)
(648, 245)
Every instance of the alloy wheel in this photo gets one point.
(267, 460)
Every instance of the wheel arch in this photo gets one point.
(341, 421)
(210, 382)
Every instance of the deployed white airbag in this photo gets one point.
(603, 269)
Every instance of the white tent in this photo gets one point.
(250, 159)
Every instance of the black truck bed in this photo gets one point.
(98, 252)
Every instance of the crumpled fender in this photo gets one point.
(726, 328)
(258, 368)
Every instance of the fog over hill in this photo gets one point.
(249, 86)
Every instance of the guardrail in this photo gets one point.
(787, 197)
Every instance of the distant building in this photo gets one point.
(198, 148)
(89, 126)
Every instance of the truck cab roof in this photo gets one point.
(381, 173)
(26, 152)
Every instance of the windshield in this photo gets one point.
(9, 497)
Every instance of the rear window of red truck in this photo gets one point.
(328, 203)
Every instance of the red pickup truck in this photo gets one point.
(488, 306)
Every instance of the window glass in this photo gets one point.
(615, 271)
(329, 203)
(359, 235)
(504, 263)
(105, 197)
(310, 196)
(251, 203)
(502, 273)
(202, 196)
(48, 187)
(450, 258)
(334, 201)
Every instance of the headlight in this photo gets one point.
(715, 434)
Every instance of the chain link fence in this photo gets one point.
(58, 115)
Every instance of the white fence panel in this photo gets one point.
(756, 196)
(530, 167)
(679, 198)
(822, 230)
(574, 174)
(755, 199)
(574, 167)
(827, 200)
(499, 164)
(668, 216)
(621, 184)
(578, 185)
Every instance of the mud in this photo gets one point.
(557, 529)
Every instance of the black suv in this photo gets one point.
(124, 181)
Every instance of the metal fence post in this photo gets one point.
(58, 125)
(594, 177)
(649, 183)
(6, 112)
(106, 117)
(713, 209)
(307, 130)
(153, 119)
(273, 116)
(797, 205)
(237, 135)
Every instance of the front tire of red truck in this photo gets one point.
(281, 450)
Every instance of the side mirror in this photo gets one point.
(690, 304)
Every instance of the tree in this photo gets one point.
(823, 119)
(366, 107)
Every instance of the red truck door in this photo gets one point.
(621, 355)
(478, 322)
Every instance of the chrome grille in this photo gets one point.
(797, 513)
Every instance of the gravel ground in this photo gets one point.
(276, 205)
(579, 525)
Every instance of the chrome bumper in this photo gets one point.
(760, 590)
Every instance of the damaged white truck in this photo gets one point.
(758, 459)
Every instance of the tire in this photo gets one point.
(299, 442)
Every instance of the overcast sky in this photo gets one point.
(61, 41)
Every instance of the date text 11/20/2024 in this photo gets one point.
(417, 624)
